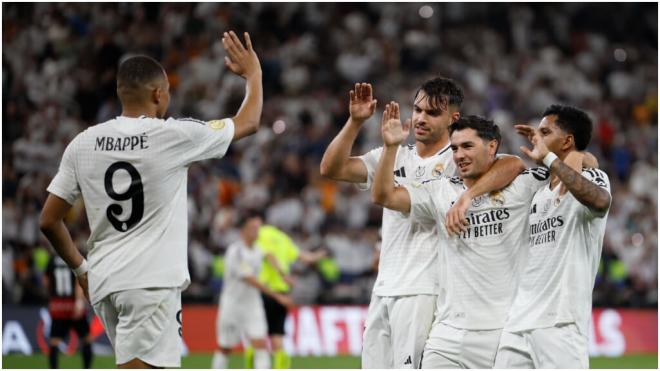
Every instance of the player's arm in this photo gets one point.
(383, 191)
(586, 192)
(503, 171)
(337, 162)
(270, 258)
(311, 257)
(588, 160)
(79, 307)
(244, 62)
(283, 299)
(52, 226)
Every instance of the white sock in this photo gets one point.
(261, 358)
(220, 360)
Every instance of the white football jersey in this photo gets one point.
(565, 243)
(132, 175)
(409, 253)
(482, 264)
(240, 261)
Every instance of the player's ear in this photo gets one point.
(492, 147)
(455, 116)
(157, 95)
(569, 143)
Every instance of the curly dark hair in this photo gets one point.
(573, 121)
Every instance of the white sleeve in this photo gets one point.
(530, 181)
(245, 268)
(370, 160)
(232, 262)
(65, 183)
(202, 140)
(599, 178)
(422, 206)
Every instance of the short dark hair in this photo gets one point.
(135, 72)
(573, 121)
(441, 92)
(486, 129)
(246, 215)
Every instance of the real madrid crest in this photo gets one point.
(497, 198)
(438, 169)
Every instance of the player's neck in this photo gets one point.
(136, 112)
(248, 241)
(425, 150)
(469, 182)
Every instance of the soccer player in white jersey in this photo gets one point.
(548, 322)
(131, 172)
(241, 308)
(481, 262)
(404, 295)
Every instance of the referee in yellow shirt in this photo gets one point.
(280, 253)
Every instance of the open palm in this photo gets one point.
(394, 133)
(362, 104)
(534, 136)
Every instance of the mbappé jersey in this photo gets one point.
(240, 261)
(409, 262)
(565, 243)
(132, 175)
(482, 264)
(61, 289)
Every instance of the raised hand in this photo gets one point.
(362, 103)
(394, 133)
(241, 60)
(534, 136)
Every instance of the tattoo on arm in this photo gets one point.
(588, 193)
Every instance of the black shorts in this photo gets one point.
(60, 328)
(275, 315)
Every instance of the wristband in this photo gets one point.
(82, 269)
(549, 159)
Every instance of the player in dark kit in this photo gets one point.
(67, 308)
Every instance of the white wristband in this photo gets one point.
(82, 269)
(549, 159)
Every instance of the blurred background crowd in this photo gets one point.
(59, 62)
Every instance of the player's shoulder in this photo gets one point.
(539, 173)
(173, 120)
(597, 176)
(443, 181)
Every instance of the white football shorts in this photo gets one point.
(232, 323)
(561, 346)
(144, 324)
(449, 347)
(396, 329)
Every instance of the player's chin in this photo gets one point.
(422, 136)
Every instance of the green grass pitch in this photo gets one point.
(236, 361)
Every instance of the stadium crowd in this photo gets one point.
(59, 66)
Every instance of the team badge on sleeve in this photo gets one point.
(539, 173)
(596, 176)
(217, 124)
